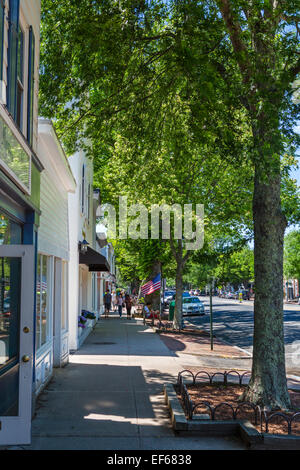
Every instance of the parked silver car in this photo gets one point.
(168, 296)
(192, 306)
(230, 295)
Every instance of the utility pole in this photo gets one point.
(161, 295)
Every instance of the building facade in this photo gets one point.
(50, 257)
(85, 260)
(291, 289)
(57, 181)
(20, 170)
(106, 281)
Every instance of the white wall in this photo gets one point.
(81, 226)
(86, 224)
(53, 240)
(53, 230)
(73, 204)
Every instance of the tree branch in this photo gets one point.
(293, 72)
(158, 36)
(223, 72)
(173, 247)
(235, 33)
(186, 256)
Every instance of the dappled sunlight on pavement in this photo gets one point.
(111, 395)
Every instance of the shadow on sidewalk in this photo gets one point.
(132, 338)
(102, 400)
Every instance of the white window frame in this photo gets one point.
(24, 26)
(50, 301)
(88, 202)
(83, 189)
(65, 283)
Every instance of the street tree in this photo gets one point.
(264, 48)
(108, 69)
(175, 170)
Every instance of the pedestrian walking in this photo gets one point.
(107, 303)
(120, 304)
(114, 301)
(134, 305)
(128, 304)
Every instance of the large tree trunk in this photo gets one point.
(264, 92)
(181, 260)
(268, 386)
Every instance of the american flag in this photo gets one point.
(151, 286)
(38, 286)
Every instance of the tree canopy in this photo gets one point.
(163, 93)
(292, 255)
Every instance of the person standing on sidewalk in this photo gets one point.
(128, 304)
(107, 303)
(120, 302)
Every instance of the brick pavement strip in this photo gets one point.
(200, 345)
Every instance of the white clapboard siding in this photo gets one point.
(53, 230)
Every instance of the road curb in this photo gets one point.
(223, 356)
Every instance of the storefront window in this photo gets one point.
(10, 304)
(10, 231)
(10, 283)
(14, 157)
(38, 303)
(64, 296)
(44, 296)
(10, 295)
(94, 292)
(43, 300)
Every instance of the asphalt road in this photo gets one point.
(233, 322)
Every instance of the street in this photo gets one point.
(233, 322)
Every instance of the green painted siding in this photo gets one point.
(35, 185)
(35, 189)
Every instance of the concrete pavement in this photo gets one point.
(110, 395)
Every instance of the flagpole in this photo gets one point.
(160, 290)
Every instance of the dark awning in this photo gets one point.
(94, 260)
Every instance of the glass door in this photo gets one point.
(16, 342)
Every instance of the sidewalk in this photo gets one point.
(110, 395)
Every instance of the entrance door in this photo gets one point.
(16, 342)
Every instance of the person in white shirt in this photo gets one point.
(120, 304)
